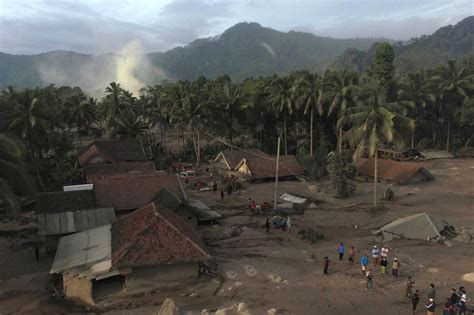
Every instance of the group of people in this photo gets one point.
(455, 304)
(258, 208)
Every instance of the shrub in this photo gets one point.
(340, 170)
(310, 235)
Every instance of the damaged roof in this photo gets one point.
(263, 167)
(232, 157)
(153, 235)
(418, 226)
(64, 201)
(114, 151)
(398, 172)
(132, 191)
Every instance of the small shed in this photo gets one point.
(394, 171)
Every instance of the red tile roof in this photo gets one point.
(129, 191)
(398, 172)
(153, 235)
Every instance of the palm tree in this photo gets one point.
(282, 97)
(312, 97)
(27, 116)
(373, 121)
(416, 88)
(130, 125)
(453, 81)
(113, 104)
(14, 179)
(231, 101)
(343, 88)
(81, 111)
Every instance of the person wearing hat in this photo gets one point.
(395, 267)
(430, 307)
(375, 255)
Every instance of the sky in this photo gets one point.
(92, 26)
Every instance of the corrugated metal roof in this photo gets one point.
(83, 249)
(293, 199)
(74, 221)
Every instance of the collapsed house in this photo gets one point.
(112, 152)
(149, 248)
(422, 226)
(393, 171)
(65, 212)
(228, 160)
(263, 168)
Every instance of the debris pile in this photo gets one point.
(310, 235)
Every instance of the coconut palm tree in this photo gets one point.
(283, 99)
(453, 81)
(374, 121)
(113, 104)
(26, 115)
(14, 179)
(416, 88)
(342, 91)
(81, 111)
(312, 98)
(130, 125)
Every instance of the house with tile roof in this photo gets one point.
(113, 152)
(94, 171)
(227, 160)
(148, 248)
(263, 168)
(394, 171)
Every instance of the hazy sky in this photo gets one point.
(28, 27)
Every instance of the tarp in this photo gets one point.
(419, 226)
(292, 198)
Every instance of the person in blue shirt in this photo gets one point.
(364, 262)
(340, 251)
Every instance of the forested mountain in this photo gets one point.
(449, 42)
(244, 50)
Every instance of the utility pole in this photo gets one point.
(275, 196)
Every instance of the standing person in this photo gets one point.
(283, 224)
(383, 266)
(222, 194)
(250, 204)
(288, 224)
(462, 301)
(414, 301)
(253, 206)
(326, 265)
(410, 285)
(258, 208)
(369, 277)
(340, 251)
(375, 255)
(448, 307)
(430, 307)
(364, 262)
(351, 255)
(454, 297)
(395, 267)
(384, 252)
(432, 292)
(267, 225)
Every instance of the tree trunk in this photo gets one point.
(35, 165)
(375, 179)
(340, 141)
(434, 136)
(449, 134)
(413, 139)
(311, 133)
(177, 139)
(198, 148)
(231, 121)
(284, 134)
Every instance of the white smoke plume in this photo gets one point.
(130, 67)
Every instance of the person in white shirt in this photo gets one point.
(375, 255)
(384, 252)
